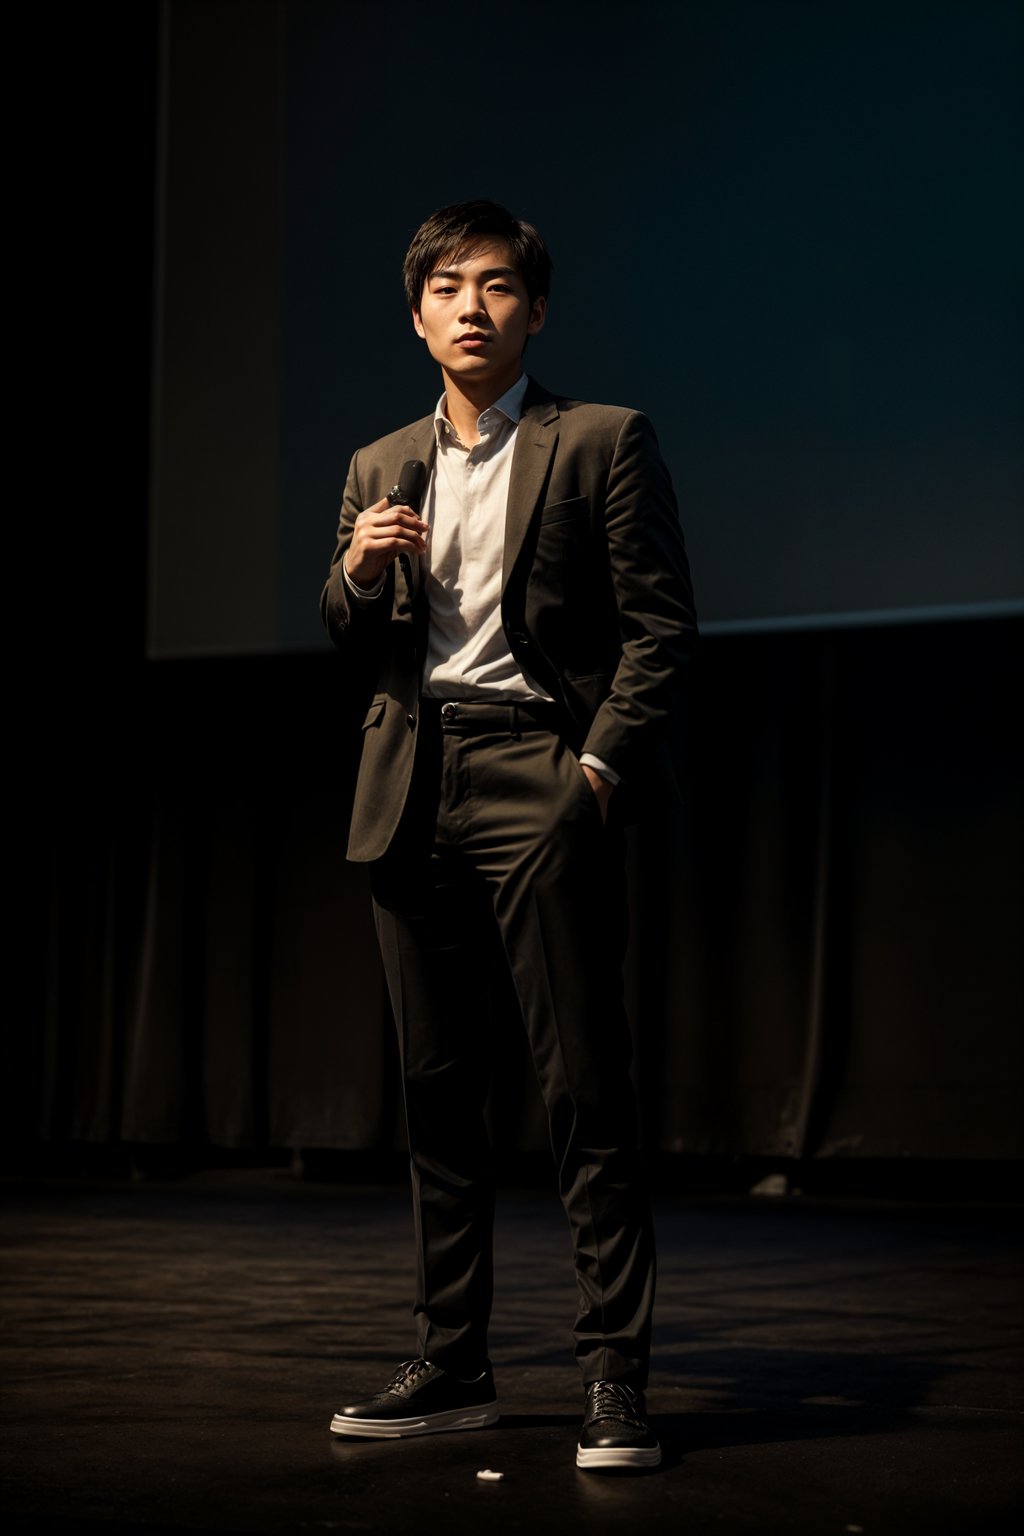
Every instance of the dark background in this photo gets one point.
(791, 235)
(790, 232)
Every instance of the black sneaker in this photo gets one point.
(615, 1429)
(421, 1399)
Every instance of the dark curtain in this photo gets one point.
(825, 956)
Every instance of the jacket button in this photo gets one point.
(410, 721)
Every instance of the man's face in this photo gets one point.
(475, 315)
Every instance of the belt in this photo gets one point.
(468, 717)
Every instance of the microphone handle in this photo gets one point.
(406, 492)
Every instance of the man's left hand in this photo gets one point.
(601, 787)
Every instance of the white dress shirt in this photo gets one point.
(468, 656)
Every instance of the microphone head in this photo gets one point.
(409, 489)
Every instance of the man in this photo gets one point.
(523, 631)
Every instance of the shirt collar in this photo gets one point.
(510, 405)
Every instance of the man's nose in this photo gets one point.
(472, 303)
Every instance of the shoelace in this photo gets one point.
(614, 1400)
(406, 1374)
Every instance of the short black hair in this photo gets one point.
(451, 231)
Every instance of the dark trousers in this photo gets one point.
(502, 825)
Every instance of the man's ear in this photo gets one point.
(418, 325)
(538, 311)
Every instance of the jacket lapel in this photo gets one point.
(531, 463)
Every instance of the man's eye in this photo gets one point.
(445, 288)
(500, 288)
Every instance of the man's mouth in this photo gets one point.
(472, 340)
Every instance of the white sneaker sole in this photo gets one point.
(619, 1456)
(480, 1417)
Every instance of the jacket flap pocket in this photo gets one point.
(565, 511)
(374, 713)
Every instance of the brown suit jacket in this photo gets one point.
(596, 597)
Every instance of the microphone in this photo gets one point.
(406, 492)
(409, 489)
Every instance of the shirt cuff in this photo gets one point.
(362, 594)
(608, 774)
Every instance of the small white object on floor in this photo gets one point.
(772, 1186)
(487, 1476)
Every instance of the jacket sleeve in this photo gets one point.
(654, 596)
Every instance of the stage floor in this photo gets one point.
(172, 1355)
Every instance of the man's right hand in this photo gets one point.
(379, 536)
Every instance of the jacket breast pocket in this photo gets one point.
(576, 510)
